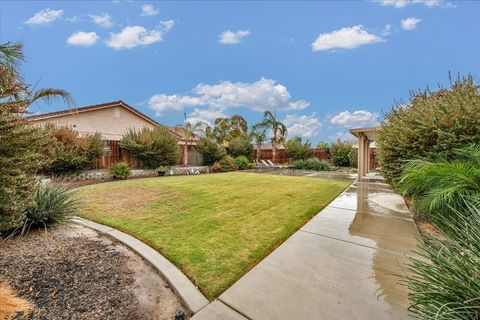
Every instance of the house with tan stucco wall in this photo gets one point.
(111, 120)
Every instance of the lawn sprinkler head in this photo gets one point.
(179, 315)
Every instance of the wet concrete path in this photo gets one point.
(341, 265)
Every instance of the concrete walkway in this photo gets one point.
(340, 265)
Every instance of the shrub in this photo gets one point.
(437, 187)
(240, 146)
(298, 150)
(323, 146)
(242, 163)
(120, 170)
(342, 153)
(216, 167)
(210, 150)
(432, 124)
(53, 203)
(354, 158)
(444, 282)
(227, 163)
(312, 164)
(67, 151)
(154, 147)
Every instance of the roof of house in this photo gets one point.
(370, 133)
(179, 132)
(92, 108)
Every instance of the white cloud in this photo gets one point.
(132, 36)
(264, 94)
(344, 38)
(44, 17)
(149, 10)
(83, 39)
(404, 3)
(387, 30)
(359, 118)
(302, 125)
(232, 37)
(103, 20)
(410, 23)
(342, 135)
(207, 116)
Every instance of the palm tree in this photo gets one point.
(259, 137)
(277, 128)
(13, 90)
(190, 131)
(442, 185)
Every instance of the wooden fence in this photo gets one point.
(282, 157)
(116, 154)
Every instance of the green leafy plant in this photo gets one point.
(297, 150)
(444, 282)
(242, 163)
(20, 142)
(227, 163)
(154, 147)
(241, 146)
(432, 124)
(210, 150)
(120, 170)
(342, 153)
(53, 203)
(312, 164)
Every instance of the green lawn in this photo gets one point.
(214, 227)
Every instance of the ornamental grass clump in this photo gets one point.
(444, 282)
(53, 203)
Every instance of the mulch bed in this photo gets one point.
(68, 277)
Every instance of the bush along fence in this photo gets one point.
(116, 154)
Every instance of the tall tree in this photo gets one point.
(227, 129)
(20, 142)
(276, 128)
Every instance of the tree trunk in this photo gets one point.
(185, 154)
(259, 149)
(274, 151)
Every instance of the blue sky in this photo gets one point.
(323, 66)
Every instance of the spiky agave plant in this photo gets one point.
(53, 203)
(444, 281)
(439, 185)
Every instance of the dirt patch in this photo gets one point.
(122, 201)
(11, 304)
(71, 272)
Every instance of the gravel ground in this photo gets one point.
(71, 272)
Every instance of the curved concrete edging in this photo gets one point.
(193, 299)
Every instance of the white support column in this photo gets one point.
(368, 156)
(361, 156)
